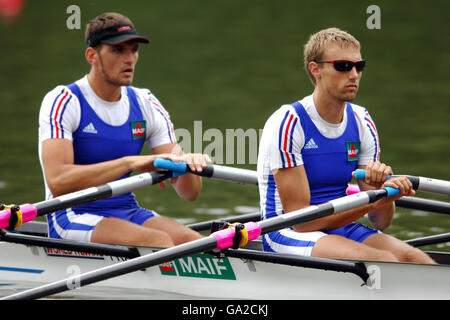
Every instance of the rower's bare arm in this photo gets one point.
(63, 176)
(293, 188)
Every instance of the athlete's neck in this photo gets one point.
(331, 110)
(103, 89)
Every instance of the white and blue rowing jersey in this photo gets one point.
(296, 135)
(101, 131)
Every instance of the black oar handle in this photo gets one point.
(210, 171)
(181, 167)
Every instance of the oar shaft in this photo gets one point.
(245, 176)
(30, 211)
(425, 241)
(107, 190)
(424, 204)
(404, 202)
(139, 263)
(432, 185)
(413, 202)
(234, 174)
(334, 206)
(419, 183)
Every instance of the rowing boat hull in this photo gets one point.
(206, 277)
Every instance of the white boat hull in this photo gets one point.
(206, 277)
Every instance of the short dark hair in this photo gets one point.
(105, 20)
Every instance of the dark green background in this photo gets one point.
(231, 64)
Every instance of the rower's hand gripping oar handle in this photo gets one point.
(391, 191)
(238, 175)
(171, 165)
(179, 168)
(360, 174)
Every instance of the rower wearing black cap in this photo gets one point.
(92, 132)
(114, 35)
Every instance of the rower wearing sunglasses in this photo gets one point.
(308, 152)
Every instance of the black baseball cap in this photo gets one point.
(115, 35)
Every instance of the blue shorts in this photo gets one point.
(354, 231)
(302, 243)
(291, 242)
(78, 225)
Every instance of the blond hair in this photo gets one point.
(315, 47)
(103, 21)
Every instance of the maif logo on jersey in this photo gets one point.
(138, 129)
(353, 149)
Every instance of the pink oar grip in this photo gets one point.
(29, 212)
(225, 237)
(352, 189)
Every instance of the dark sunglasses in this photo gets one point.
(346, 65)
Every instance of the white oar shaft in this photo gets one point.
(133, 183)
(419, 183)
(325, 209)
(250, 177)
(234, 174)
(107, 190)
(434, 185)
(30, 211)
